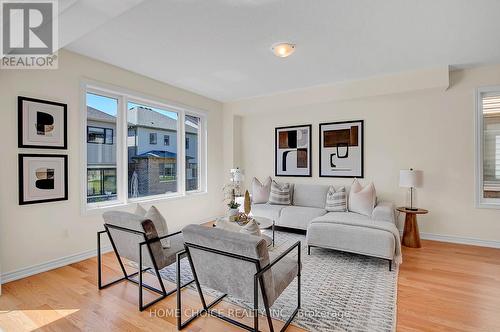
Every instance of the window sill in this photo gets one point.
(488, 205)
(95, 209)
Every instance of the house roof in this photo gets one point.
(145, 117)
(97, 115)
(159, 154)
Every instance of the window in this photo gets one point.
(125, 163)
(151, 169)
(192, 129)
(168, 172)
(488, 147)
(101, 113)
(99, 135)
(101, 184)
(152, 138)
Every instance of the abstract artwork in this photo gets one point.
(293, 151)
(42, 178)
(42, 124)
(341, 149)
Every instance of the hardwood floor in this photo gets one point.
(441, 287)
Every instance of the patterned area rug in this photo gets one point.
(340, 291)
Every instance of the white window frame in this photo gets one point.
(125, 96)
(481, 201)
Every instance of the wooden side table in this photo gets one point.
(411, 236)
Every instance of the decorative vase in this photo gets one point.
(248, 203)
(232, 212)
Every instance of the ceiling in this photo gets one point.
(220, 48)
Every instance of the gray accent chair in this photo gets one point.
(238, 265)
(135, 238)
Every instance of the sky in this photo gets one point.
(110, 105)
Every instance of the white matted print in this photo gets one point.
(42, 124)
(293, 151)
(42, 178)
(341, 149)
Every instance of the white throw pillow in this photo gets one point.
(336, 200)
(158, 220)
(251, 228)
(362, 200)
(280, 194)
(260, 192)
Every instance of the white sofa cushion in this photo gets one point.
(261, 191)
(311, 195)
(343, 217)
(362, 200)
(267, 210)
(299, 216)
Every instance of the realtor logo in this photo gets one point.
(29, 34)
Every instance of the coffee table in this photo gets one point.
(234, 226)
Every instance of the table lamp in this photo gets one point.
(411, 179)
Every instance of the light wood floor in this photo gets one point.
(441, 287)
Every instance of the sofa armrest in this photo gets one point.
(384, 211)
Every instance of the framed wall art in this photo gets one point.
(42, 124)
(293, 151)
(42, 178)
(341, 149)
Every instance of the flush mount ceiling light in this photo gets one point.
(283, 50)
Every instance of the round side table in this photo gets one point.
(411, 236)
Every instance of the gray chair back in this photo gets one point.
(229, 275)
(127, 243)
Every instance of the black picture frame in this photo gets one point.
(21, 157)
(362, 149)
(276, 130)
(20, 122)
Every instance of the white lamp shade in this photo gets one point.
(409, 178)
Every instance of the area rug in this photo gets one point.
(340, 291)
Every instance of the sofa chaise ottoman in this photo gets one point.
(375, 236)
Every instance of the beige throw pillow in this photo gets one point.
(158, 220)
(362, 200)
(260, 192)
(280, 194)
(140, 211)
(336, 200)
(251, 228)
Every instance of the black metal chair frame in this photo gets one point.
(162, 292)
(258, 281)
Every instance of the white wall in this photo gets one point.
(429, 129)
(35, 234)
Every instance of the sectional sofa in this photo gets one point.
(375, 235)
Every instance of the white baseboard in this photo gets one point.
(460, 240)
(50, 265)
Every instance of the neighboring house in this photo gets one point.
(101, 155)
(152, 154)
